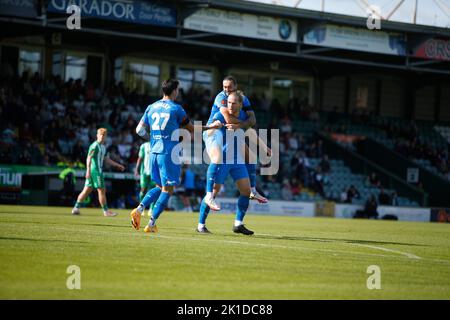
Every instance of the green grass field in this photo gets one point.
(287, 258)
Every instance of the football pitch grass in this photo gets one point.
(287, 258)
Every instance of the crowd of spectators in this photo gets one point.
(407, 140)
(49, 122)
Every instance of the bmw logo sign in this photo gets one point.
(285, 29)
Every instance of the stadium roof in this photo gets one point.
(435, 13)
(430, 19)
(219, 41)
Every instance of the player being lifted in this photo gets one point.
(94, 173)
(213, 145)
(142, 170)
(235, 165)
(162, 118)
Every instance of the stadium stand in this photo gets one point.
(342, 93)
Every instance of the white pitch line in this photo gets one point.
(409, 255)
(249, 243)
(404, 254)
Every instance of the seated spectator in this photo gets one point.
(371, 207)
(286, 125)
(286, 192)
(52, 152)
(318, 182)
(373, 180)
(293, 142)
(325, 165)
(343, 197)
(383, 198)
(352, 193)
(394, 199)
(300, 166)
(295, 187)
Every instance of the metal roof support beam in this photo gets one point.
(443, 7)
(395, 9)
(423, 63)
(318, 50)
(197, 35)
(241, 48)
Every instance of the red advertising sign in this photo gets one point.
(434, 49)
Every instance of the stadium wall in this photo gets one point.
(311, 209)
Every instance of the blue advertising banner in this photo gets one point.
(18, 8)
(120, 10)
(357, 39)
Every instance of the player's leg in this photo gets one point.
(151, 196)
(81, 197)
(251, 169)
(213, 144)
(144, 188)
(204, 212)
(103, 203)
(204, 207)
(170, 174)
(240, 176)
(160, 205)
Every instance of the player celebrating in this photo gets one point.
(236, 167)
(142, 169)
(94, 173)
(163, 118)
(213, 143)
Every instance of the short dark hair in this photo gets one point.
(169, 85)
(230, 78)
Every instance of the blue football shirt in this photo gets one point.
(163, 117)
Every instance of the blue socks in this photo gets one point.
(211, 174)
(151, 196)
(251, 168)
(204, 211)
(243, 203)
(160, 205)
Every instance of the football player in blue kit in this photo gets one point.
(234, 165)
(162, 118)
(213, 143)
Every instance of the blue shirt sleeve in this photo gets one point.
(181, 114)
(145, 116)
(246, 106)
(218, 116)
(220, 101)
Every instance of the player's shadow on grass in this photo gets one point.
(45, 240)
(356, 241)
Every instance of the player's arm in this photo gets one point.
(214, 125)
(229, 118)
(114, 164)
(250, 122)
(138, 165)
(88, 165)
(143, 130)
